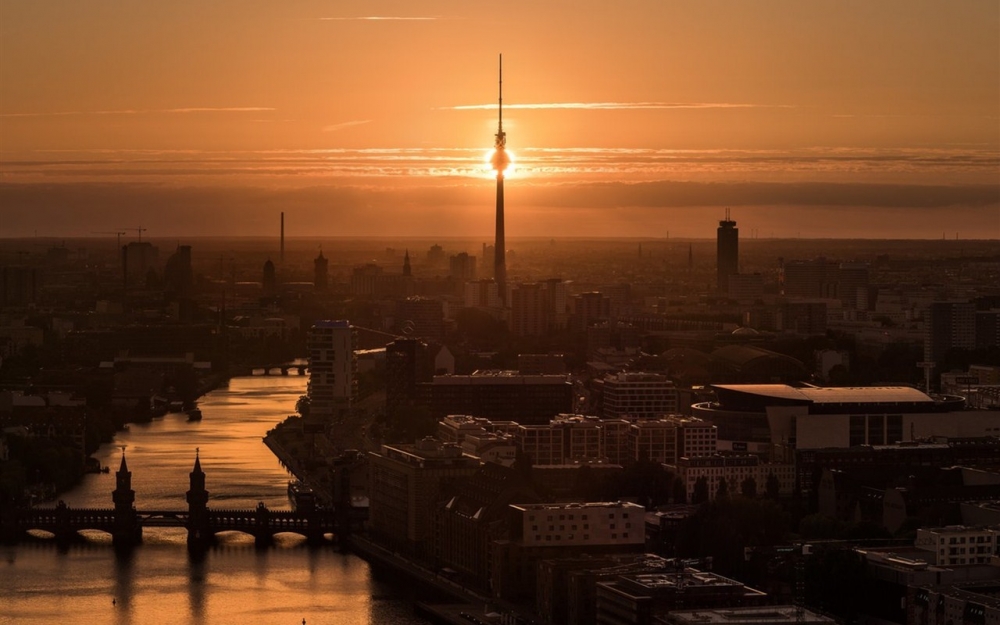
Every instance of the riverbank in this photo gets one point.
(467, 601)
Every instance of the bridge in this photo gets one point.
(125, 523)
(283, 369)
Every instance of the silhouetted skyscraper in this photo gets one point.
(407, 270)
(727, 252)
(320, 266)
(270, 280)
(500, 162)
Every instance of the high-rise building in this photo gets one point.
(500, 162)
(320, 267)
(527, 310)
(727, 252)
(949, 325)
(482, 294)
(138, 259)
(987, 328)
(18, 286)
(270, 280)
(421, 316)
(407, 362)
(332, 370)
(852, 285)
(178, 276)
(809, 278)
(590, 308)
(462, 267)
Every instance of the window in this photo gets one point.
(856, 434)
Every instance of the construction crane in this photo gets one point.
(140, 230)
(116, 233)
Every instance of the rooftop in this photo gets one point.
(834, 395)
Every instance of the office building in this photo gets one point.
(727, 252)
(332, 370)
(734, 470)
(635, 396)
(498, 396)
(405, 489)
(957, 545)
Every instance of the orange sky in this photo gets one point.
(371, 108)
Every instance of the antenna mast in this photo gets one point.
(501, 141)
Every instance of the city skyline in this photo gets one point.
(807, 120)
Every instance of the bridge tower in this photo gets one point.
(199, 533)
(127, 529)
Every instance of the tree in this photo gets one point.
(680, 492)
(723, 491)
(724, 528)
(749, 488)
(302, 406)
(773, 486)
(700, 494)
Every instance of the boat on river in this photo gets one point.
(194, 414)
(301, 496)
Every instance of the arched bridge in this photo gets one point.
(125, 523)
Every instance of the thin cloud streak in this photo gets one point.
(380, 18)
(342, 125)
(616, 106)
(193, 109)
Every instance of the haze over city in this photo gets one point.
(820, 119)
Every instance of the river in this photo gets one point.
(235, 583)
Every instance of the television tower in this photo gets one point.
(500, 162)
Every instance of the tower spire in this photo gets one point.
(500, 162)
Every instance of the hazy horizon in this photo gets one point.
(821, 119)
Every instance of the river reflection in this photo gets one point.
(233, 582)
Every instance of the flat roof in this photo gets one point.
(833, 395)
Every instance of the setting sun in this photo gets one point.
(494, 160)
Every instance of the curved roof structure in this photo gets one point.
(756, 397)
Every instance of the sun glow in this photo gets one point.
(495, 160)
